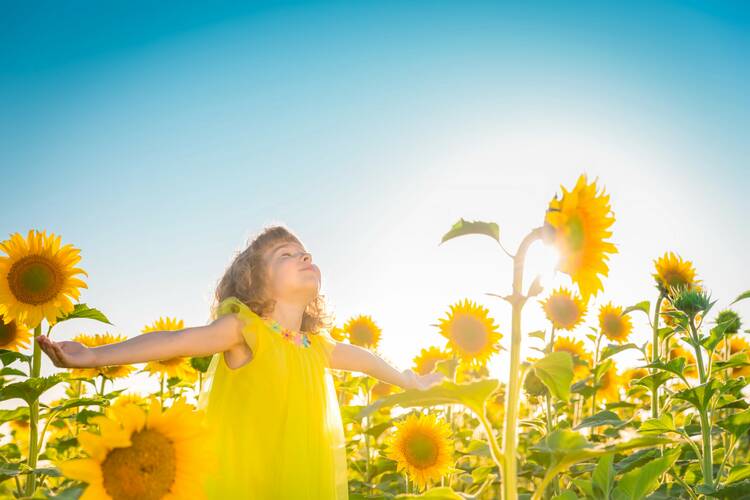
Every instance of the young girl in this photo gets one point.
(267, 394)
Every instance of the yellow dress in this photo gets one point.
(275, 421)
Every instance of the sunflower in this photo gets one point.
(613, 324)
(472, 335)
(337, 334)
(495, 405)
(112, 372)
(14, 336)
(130, 399)
(672, 271)
(632, 374)
(691, 368)
(564, 309)
(609, 384)
(362, 331)
(421, 446)
(38, 278)
(580, 221)
(581, 357)
(158, 454)
(20, 431)
(737, 345)
(172, 367)
(666, 312)
(428, 358)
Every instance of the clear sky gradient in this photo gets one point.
(159, 137)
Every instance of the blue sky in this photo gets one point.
(159, 138)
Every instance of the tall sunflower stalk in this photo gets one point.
(37, 282)
(577, 225)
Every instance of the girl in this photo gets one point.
(268, 396)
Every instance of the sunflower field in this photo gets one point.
(572, 421)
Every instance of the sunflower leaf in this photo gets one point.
(464, 227)
(742, 296)
(738, 423)
(644, 306)
(605, 417)
(85, 312)
(613, 349)
(641, 482)
(8, 356)
(30, 389)
(472, 395)
(555, 370)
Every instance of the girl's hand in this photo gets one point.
(421, 382)
(67, 354)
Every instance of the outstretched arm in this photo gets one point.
(354, 358)
(221, 335)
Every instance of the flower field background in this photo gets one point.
(572, 421)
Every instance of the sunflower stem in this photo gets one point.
(707, 463)
(515, 375)
(655, 356)
(36, 366)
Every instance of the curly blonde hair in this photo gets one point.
(247, 279)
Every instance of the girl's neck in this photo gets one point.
(288, 315)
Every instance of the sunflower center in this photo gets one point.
(673, 277)
(612, 325)
(421, 450)
(145, 470)
(361, 335)
(575, 233)
(470, 335)
(564, 311)
(34, 280)
(7, 333)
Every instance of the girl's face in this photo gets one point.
(293, 276)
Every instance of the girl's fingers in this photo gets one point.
(46, 345)
(60, 354)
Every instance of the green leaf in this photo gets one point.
(565, 447)
(737, 423)
(675, 366)
(201, 363)
(605, 417)
(14, 414)
(738, 473)
(742, 296)
(644, 306)
(653, 381)
(83, 311)
(7, 357)
(464, 227)
(472, 395)
(602, 477)
(641, 482)
(700, 395)
(734, 491)
(613, 349)
(72, 403)
(555, 370)
(7, 371)
(739, 359)
(661, 425)
(538, 334)
(30, 389)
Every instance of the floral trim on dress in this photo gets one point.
(298, 338)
